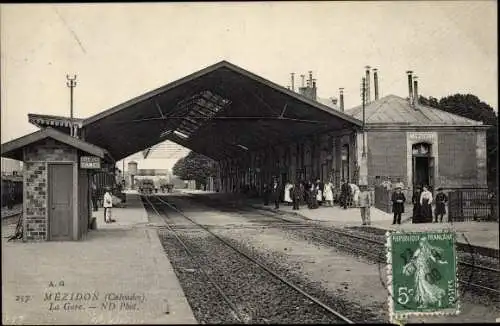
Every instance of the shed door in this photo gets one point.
(60, 201)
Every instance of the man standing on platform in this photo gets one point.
(440, 209)
(365, 202)
(398, 205)
(93, 194)
(265, 193)
(107, 204)
(345, 192)
(296, 195)
(276, 192)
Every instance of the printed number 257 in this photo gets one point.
(404, 295)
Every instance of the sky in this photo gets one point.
(120, 51)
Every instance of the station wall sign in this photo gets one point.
(90, 162)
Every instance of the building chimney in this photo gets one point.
(313, 90)
(410, 87)
(293, 81)
(375, 82)
(415, 90)
(367, 97)
(303, 77)
(341, 99)
(310, 78)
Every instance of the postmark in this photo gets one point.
(422, 274)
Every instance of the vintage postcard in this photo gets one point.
(242, 162)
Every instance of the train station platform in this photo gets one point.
(119, 274)
(480, 234)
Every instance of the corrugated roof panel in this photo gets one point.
(395, 109)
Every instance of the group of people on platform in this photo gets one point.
(317, 193)
(422, 201)
(313, 193)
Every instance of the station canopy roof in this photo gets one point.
(14, 148)
(220, 111)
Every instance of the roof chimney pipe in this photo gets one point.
(341, 99)
(293, 81)
(303, 80)
(410, 86)
(310, 78)
(313, 90)
(367, 97)
(415, 90)
(375, 82)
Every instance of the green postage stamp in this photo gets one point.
(422, 273)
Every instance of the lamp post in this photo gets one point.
(71, 83)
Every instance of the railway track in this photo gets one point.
(472, 276)
(289, 294)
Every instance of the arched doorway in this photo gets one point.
(423, 165)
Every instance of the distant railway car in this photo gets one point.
(12, 189)
(146, 186)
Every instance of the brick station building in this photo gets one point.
(419, 145)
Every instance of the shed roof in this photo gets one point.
(393, 109)
(57, 122)
(14, 148)
(220, 111)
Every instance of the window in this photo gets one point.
(421, 149)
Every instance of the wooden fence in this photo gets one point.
(383, 199)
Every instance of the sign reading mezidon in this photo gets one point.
(90, 162)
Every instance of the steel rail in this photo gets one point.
(383, 244)
(348, 234)
(280, 278)
(214, 283)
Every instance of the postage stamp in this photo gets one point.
(422, 273)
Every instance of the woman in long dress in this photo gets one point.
(313, 201)
(416, 218)
(328, 193)
(287, 197)
(420, 265)
(425, 205)
(319, 193)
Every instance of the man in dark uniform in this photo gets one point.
(441, 201)
(345, 192)
(296, 194)
(265, 192)
(276, 193)
(398, 205)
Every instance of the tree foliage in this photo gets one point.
(195, 167)
(471, 107)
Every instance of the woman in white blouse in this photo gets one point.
(287, 197)
(425, 203)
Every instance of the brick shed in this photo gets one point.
(419, 145)
(56, 188)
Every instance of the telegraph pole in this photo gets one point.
(363, 97)
(71, 83)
